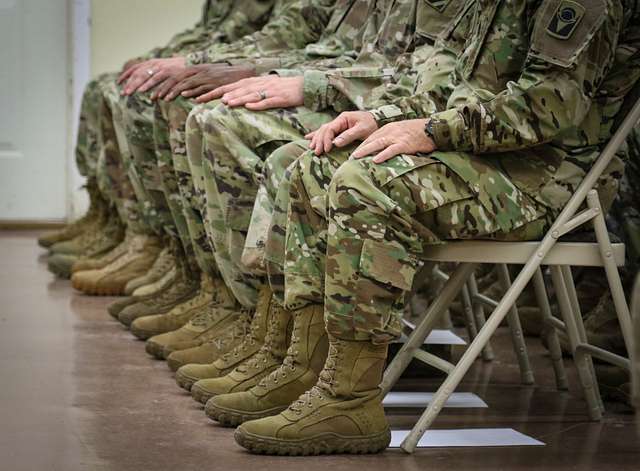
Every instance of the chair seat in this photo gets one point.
(584, 254)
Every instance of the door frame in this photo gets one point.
(79, 74)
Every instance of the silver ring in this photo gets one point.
(150, 72)
(262, 94)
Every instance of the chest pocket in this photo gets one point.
(434, 16)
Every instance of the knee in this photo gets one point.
(352, 177)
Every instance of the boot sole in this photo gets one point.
(154, 349)
(174, 364)
(185, 382)
(200, 395)
(59, 272)
(93, 289)
(233, 418)
(325, 444)
(143, 334)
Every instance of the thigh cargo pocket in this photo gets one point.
(387, 272)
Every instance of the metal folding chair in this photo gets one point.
(559, 257)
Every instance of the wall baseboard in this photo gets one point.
(8, 225)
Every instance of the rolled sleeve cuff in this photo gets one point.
(450, 131)
(287, 72)
(316, 90)
(196, 58)
(388, 114)
(262, 66)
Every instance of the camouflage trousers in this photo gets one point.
(113, 166)
(138, 112)
(357, 230)
(185, 195)
(88, 139)
(265, 243)
(231, 145)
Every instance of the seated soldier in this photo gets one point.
(495, 154)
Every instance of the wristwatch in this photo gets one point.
(428, 129)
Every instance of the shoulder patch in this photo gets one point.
(564, 28)
(566, 19)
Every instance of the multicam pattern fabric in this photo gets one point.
(380, 39)
(379, 217)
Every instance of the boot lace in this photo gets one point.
(326, 382)
(266, 351)
(289, 364)
(250, 340)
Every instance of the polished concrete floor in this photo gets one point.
(78, 392)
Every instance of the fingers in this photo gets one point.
(269, 103)
(356, 133)
(389, 153)
(163, 89)
(370, 146)
(207, 97)
(154, 80)
(128, 73)
(242, 100)
(201, 90)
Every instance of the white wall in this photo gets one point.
(106, 34)
(122, 29)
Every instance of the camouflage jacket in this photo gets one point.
(536, 88)
(293, 25)
(222, 21)
(389, 58)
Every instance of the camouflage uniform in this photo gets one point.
(87, 148)
(181, 190)
(237, 141)
(508, 159)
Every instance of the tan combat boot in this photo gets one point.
(76, 228)
(342, 413)
(112, 279)
(156, 324)
(181, 289)
(160, 267)
(248, 346)
(249, 373)
(157, 286)
(297, 373)
(219, 312)
(106, 240)
(219, 344)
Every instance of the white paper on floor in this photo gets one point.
(439, 337)
(478, 437)
(422, 400)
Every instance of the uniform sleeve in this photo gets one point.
(552, 96)
(433, 87)
(298, 23)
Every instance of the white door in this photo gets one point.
(33, 109)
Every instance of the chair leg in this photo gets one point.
(517, 337)
(549, 332)
(577, 315)
(471, 353)
(611, 271)
(437, 308)
(469, 320)
(478, 312)
(583, 362)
